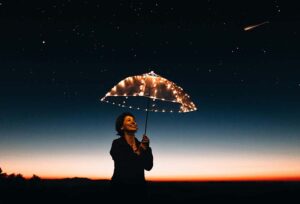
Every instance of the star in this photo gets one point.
(103, 70)
(44, 42)
(236, 49)
(264, 51)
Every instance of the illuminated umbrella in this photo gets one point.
(161, 95)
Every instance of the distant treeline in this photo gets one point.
(16, 178)
(14, 188)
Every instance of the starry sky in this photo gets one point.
(57, 58)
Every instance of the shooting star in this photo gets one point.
(254, 26)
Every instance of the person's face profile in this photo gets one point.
(129, 124)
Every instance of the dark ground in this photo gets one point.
(90, 191)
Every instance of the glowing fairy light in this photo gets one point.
(122, 83)
(155, 88)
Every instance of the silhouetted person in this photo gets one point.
(131, 157)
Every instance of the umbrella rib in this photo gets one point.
(143, 96)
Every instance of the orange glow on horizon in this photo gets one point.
(190, 167)
(234, 179)
(196, 179)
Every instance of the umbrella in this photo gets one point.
(161, 95)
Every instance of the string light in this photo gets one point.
(122, 83)
(153, 86)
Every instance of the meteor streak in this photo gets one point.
(254, 26)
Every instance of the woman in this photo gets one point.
(131, 157)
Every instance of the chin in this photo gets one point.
(133, 131)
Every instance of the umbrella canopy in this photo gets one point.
(163, 95)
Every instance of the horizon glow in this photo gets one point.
(198, 154)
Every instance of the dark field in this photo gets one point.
(91, 191)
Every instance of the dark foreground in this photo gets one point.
(90, 191)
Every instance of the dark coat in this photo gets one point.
(128, 166)
(129, 176)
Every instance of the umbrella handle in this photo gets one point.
(148, 101)
(146, 122)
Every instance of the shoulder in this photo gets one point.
(117, 141)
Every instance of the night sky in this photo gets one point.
(57, 58)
